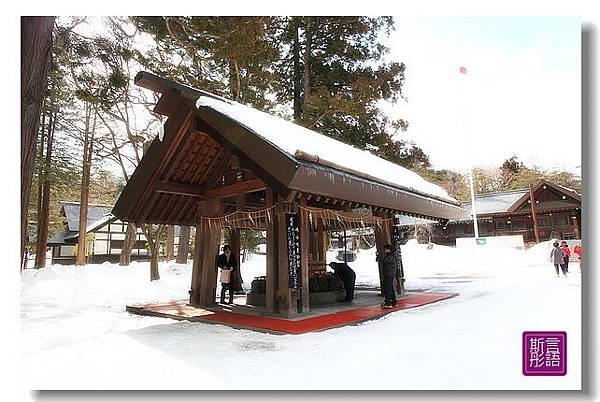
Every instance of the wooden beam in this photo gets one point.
(236, 188)
(291, 196)
(176, 128)
(536, 231)
(168, 104)
(180, 189)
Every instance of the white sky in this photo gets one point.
(521, 92)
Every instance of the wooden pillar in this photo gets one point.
(206, 249)
(322, 243)
(287, 298)
(235, 244)
(576, 227)
(199, 244)
(379, 242)
(272, 272)
(397, 280)
(234, 239)
(304, 248)
(536, 231)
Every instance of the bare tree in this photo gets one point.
(124, 135)
(153, 233)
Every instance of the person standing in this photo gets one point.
(348, 276)
(567, 253)
(577, 250)
(558, 259)
(388, 266)
(227, 262)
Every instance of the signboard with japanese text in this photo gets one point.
(293, 250)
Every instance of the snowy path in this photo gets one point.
(76, 334)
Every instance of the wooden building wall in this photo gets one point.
(563, 225)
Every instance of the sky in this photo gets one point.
(520, 96)
(521, 93)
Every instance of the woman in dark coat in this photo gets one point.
(227, 261)
(389, 265)
(557, 257)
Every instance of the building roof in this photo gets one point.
(96, 212)
(491, 203)
(283, 155)
(98, 216)
(507, 202)
(295, 140)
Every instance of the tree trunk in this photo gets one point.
(36, 45)
(154, 274)
(44, 215)
(170, 242)
(85, 185)
(184, 245)
(307, 55)
(40, 184)
(153, 239)
(297, 73)
(128, 243)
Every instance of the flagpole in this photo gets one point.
(463, 73)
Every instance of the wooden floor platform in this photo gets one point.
(366, 306)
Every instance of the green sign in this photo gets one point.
(480, 241)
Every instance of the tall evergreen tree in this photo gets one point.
(328, 73)
(36, 44)
(335, 74)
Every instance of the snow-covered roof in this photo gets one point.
(495, 202)
(95, 214)
(93, 226)
(567, 189)
(290, 138)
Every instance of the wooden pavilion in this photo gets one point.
(221, 165)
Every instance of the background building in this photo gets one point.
(557, 210)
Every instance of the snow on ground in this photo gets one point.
(77, 335)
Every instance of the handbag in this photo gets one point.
(225, 276)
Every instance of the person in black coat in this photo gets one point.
(389, 265)
(347, 275)
(227, 261)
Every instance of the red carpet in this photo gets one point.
(179, 310)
